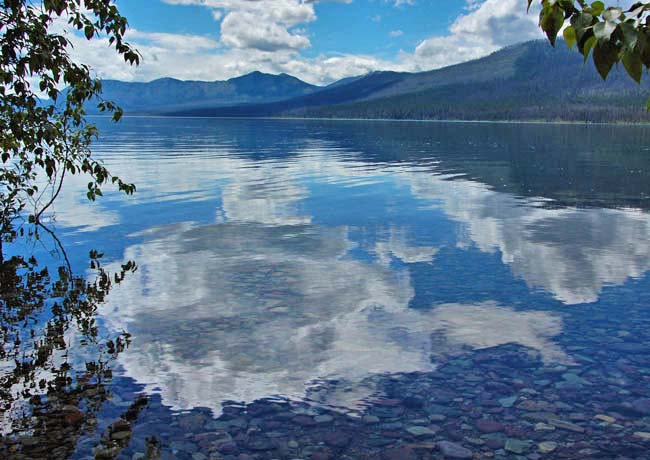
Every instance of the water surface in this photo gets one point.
(333, 266)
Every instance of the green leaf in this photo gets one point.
(633, 65)
(117, 115)
(569, 35)
(597, 8)
(630, 34)
(581, 23)
(611, 14)
(587, 47)
(551, 22)
(605, 56)
(603, 30)
(89, 31)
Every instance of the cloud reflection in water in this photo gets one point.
(571, 253)
(242, 311)
(271, 298)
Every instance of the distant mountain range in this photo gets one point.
(169, 94)
(528, 81)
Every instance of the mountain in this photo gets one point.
(169, 94)
(528, 81)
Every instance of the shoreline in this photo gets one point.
(405, 120)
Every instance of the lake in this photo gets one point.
(390, 290)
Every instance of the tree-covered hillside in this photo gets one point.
(546, 84)
(529, 81)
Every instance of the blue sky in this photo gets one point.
(360, 27)
(319, 41)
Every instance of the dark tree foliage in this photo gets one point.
(48, 398)
(527, 89)
(47, 312)
(610, 33)
(43, 138)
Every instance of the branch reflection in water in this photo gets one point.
(55, 366)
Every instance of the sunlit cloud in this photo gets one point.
(271, 36)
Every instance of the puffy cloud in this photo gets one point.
(268, 36)
(196, 57)
(259, 25)
(487, 26)
(502, 22)
(163, 54)
(243, 30)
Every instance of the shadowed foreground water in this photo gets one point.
(330, 290)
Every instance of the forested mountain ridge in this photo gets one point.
(545, 84)
(528, 81)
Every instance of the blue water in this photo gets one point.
(319, 261)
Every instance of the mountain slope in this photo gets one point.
(167, 94)
(529, 81)
(357, 89)
(544, 84)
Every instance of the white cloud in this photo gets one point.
(270, 35)
(182, 43)
(259, 25)
(487, 27)
(395, 33)
(243, 30)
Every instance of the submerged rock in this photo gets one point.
(605, 418)
(517, 446)
(485, 425)
(337, 439)
(370, 419)
(453, 450)
(107, 453)
(564, 425)
(641, 406)
(547, 446)
(323, 419)
(399, 453)
(72, 415)
(260, 444)
(120, 435)
(508, 402)
(420, 431)
(643, 435)
(495, 440)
